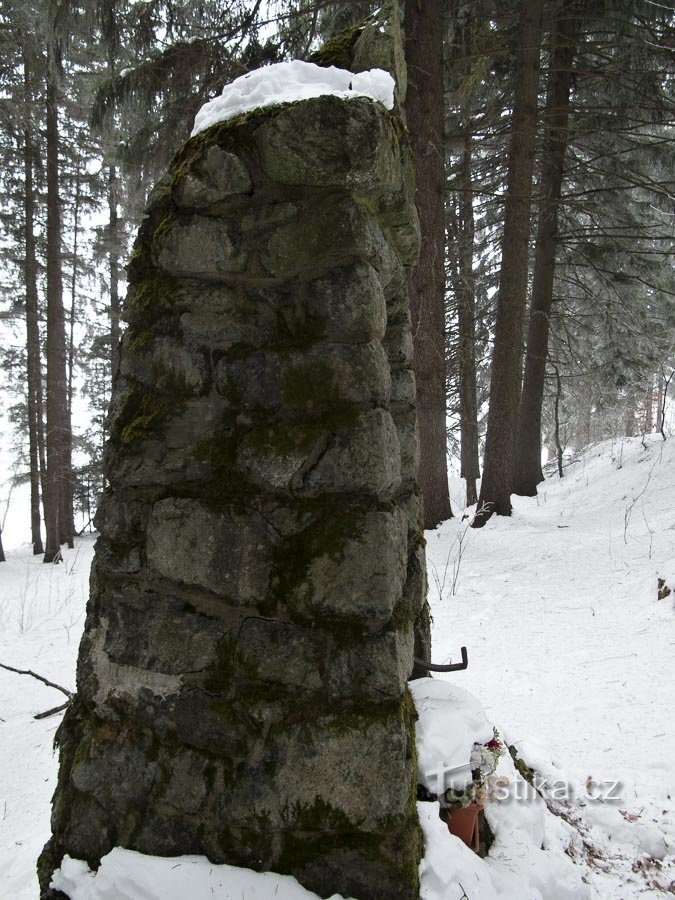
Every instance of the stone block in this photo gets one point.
(325, 142)
(318, 777)
(222, 319)
(409, 445)
(364, 458)
(229, 553)
(347, 304)
(200, 247)
(329, 231)
(403, 389)
(376, 669)
(217, 176)
(307, 383)
(169, 366)
(353, 571)
(279, 653)
(157, 455)
(159, 633)
(398, 343)
(279, 457)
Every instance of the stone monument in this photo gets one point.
(242, 680)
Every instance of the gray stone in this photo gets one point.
(326, 234)
(222, 318)
(250, 627)
(115, 771)
(358, 579)
(268, 216)
(380, 46)
(198, 247)
(364, 458)
(415, 590)
(325, 142)
(207, 721)
(279, 458)
(229, 553)
(347, 304)
(170, 366)
(398, 343)
(187, 784)
(218, 176)
(251, 382)
(402, 227)
(329, 375)
(160, 458)
(310, 773)
(158, 632)
(411, 504)
(377, 669)
(280, 653)
(409, 444)
(403, 390)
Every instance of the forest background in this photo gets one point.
(544, 303)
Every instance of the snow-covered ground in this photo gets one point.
(569, 654)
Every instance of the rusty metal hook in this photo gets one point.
(456, 667)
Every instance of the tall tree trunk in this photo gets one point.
(33, 365)
(466, 320)
(57, 412)
(649, 406)
(629, 418)
(425, 115)
(495, 494)
(2, 552)
(527, 455)
(114, 268)
(68, 529)
(659, 402)
(556, 416)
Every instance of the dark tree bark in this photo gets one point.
(556, 418)
(659, 403)
(466, 320)
(495, 494)
(527, 456)
(649, 407)
(57, 412)
(68, 529)
(33, 365)
(2, 552)
(114, 267)
(425, 115)
(662, 409)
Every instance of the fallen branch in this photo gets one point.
(58, 687)
(53, 711)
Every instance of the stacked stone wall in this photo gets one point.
(242, 680)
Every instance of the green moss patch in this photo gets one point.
(141, 416)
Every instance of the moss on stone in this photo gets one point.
(339, 50)
(220, 452)
(283, 440)
(335, 525)
(151, 310)
(312, 386)
(521, 766)
(141, 416)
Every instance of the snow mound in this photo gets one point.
(287, 82)
(450, 721)
(127, 875)
(529, 855)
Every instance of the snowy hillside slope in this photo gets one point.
(570, 654)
